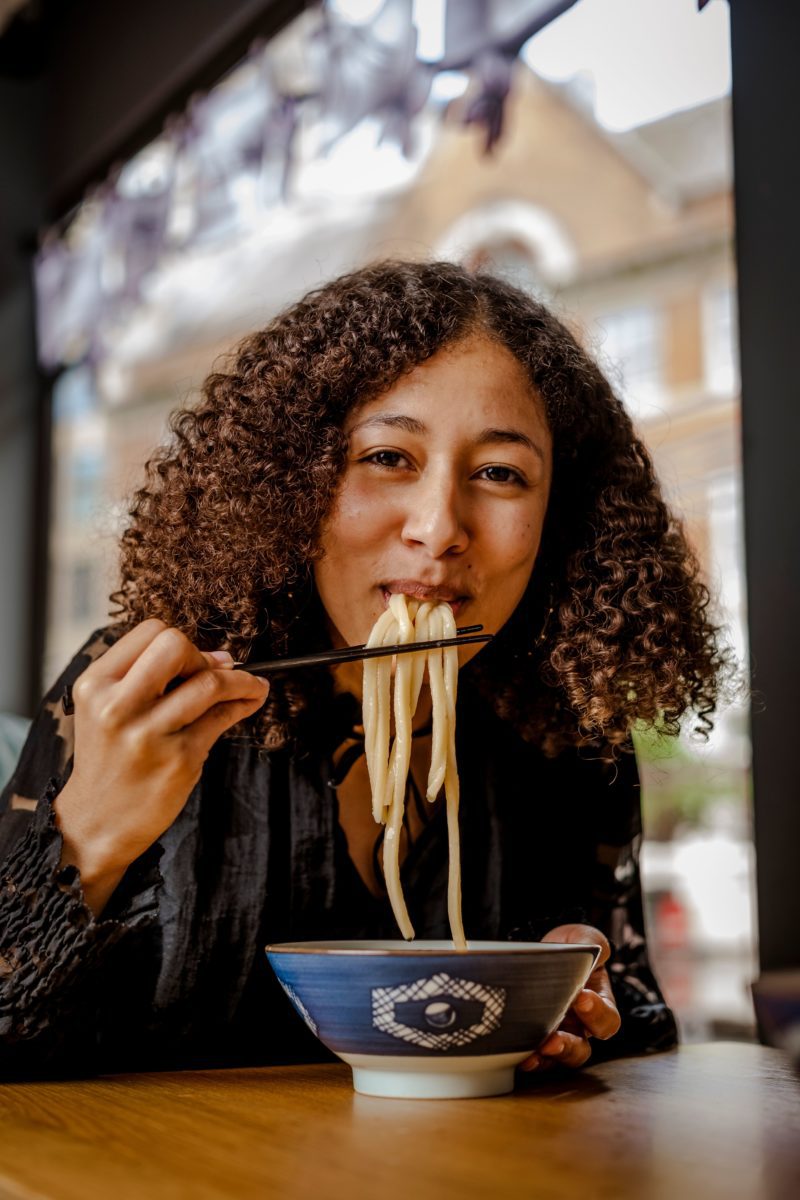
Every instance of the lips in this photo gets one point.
(424, 591)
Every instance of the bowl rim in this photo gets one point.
(430, 949)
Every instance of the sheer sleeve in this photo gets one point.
(615, 906)
(54, 954)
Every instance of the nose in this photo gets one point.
(434, 518)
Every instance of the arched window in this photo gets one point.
(520, 240)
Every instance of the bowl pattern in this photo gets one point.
(496, 998)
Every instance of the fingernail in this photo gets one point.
(529, 1065)
(584, 1004)
(558, 1046)
(222, 656)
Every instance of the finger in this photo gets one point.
(565, 1049)
(585, 935)
(218, 660)
(535, 1062)
(599, 1016)
(185, 704)
(600, 983)
(119, 658)
(204, 732)
(572, 1023)
(169, 655)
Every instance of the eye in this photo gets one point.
(500, 474)
(388, 459)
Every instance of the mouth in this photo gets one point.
(422, 591)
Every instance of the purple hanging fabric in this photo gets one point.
(72, 303)
(492, 74)
(479, 42)
(137, 229)
(50, 269)
(277, 136)
(231, 152)
(373, 71)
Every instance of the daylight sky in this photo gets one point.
(639, 59)
(644, 58)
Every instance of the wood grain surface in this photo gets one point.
(719, 1120)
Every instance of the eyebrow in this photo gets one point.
(487, 437)
(395, 420)
(490, 437)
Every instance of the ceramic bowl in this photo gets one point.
(420, 1019)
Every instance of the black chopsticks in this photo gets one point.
(468, 633)
(354, 653)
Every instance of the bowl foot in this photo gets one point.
(452, 1079)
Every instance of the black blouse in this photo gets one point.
(173, 973)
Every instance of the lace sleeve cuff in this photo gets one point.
(50, 942)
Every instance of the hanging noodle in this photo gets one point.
(409, 621)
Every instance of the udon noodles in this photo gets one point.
(409, 620)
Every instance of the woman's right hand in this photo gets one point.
(139, 750)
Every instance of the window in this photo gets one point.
(719, 339)
(510, 259)
(82, 585)
(631, 345)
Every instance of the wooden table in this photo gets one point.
(719, 1120)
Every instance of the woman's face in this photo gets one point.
(444, 494)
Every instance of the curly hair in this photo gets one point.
(614, 628)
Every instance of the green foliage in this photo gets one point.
(681, 788)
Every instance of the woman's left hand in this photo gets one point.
(593, 1012)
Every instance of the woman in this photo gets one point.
(413, 428)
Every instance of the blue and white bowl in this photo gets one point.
(420, 1019)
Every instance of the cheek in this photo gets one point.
(358, 522)
(515, 541)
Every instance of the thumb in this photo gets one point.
(585, 935)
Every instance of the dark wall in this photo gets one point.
(21, 124)
(766, 107)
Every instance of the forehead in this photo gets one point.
(476, 380)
